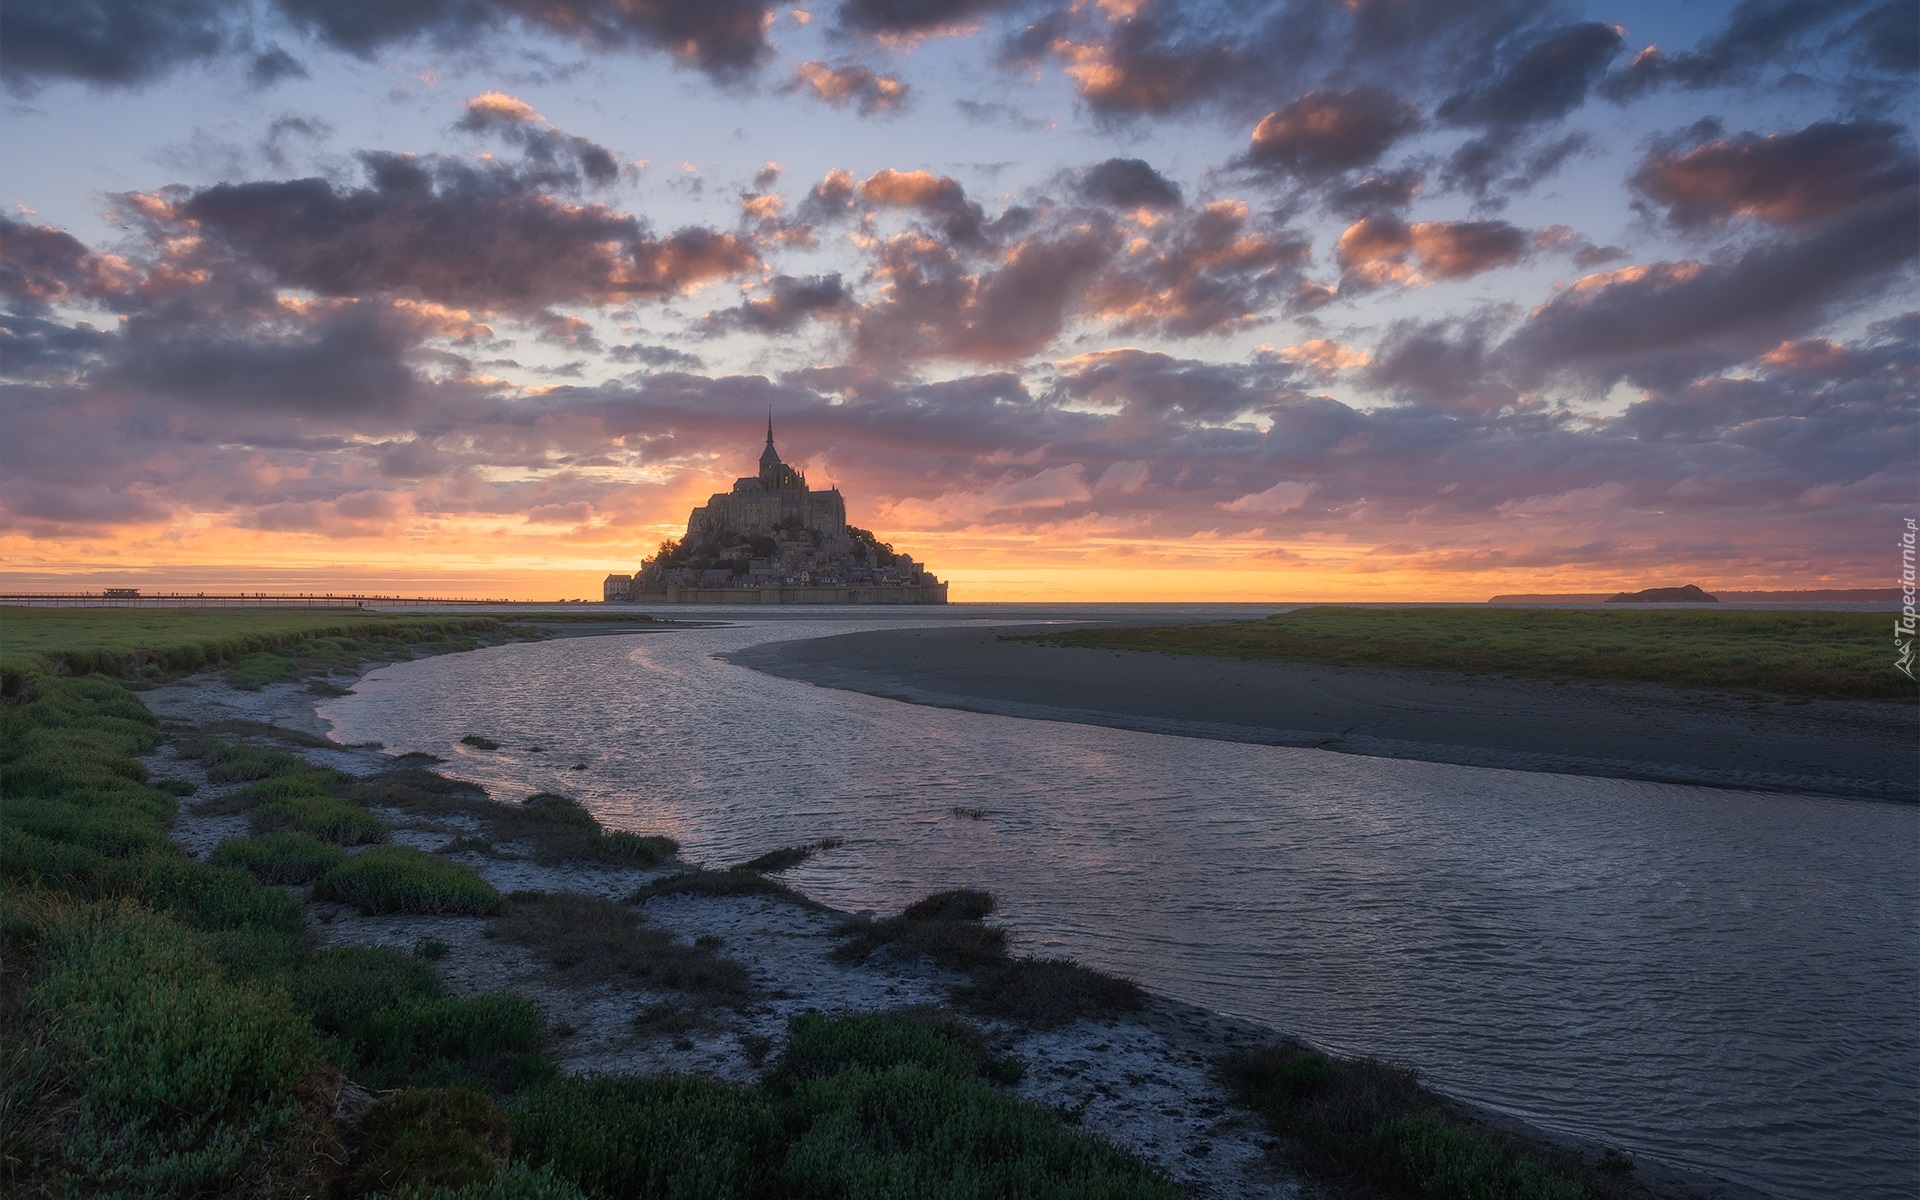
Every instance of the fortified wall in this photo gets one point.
(774, 540)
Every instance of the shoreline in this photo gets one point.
(1850, 749)
(1142, 1080)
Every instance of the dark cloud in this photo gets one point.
(1543, 81)
(1785, 178)
(1138, 380)
(1377, 194)
(35, 349)
(128, 42)
(851, 84)
(1668, 322)
(272, 65)
(476, 235)
(656, 356)
(917, 16)
(1327, 132)
(1212, 270)
(721, 37)
(1758, 34)
(787, 303)
(933, 307)
(1506, 161)
(111, 42)
(1128, 183)
(1441, 365)
(562, 157)
(1887, 37)
(344, 360)
(274, 146)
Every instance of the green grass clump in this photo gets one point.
(323, 817)
(394, 1023)
(293, 857)
(661, 1136)
(400, 879)
(183, 1082)
(911, 1133)
(1369, 1124)
(946, 927)
(228, 762)
(343, 988)
(1048, 992)
(562, 830)
(1837, 654)
(731, 882)
(818, 1047)
(256, 671)
(589, 937)
(515, 1183)
(787, 857)
(420, 1138)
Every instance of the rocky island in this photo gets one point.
(774, 540)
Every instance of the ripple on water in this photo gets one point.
(1715, 979)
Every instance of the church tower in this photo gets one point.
(775, 475)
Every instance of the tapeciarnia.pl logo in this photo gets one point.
(1903, 625)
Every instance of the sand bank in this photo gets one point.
(1863, 749)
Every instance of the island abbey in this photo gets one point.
(774, 540)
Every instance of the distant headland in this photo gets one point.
(774, 540)
(1803, 596)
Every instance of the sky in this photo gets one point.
(1072, 299)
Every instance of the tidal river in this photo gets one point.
(1721, 980)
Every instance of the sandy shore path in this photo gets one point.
(1862, 749)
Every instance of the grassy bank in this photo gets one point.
(258, 645)
(167, 1027)
(1825, 654)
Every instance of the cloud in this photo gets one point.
(916, 16)
(1209, 270)
(564, 157)
(1327, 132)
(1784, 178)
(1544, 81)
(852, 84)
(721, 37)
(788, 302)
(1661, 322)
(41, 265)
(130, 42)
(1326, 357)
(938, 196)
(484, 236)
(1147, 382)
(1285, 496)
(117, 43)
(1374, 251)
(1128, 183)
(1758, 33)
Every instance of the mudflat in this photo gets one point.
(1853, 748)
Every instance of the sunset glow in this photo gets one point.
(1114, 301)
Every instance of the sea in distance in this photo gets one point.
(1709, 978)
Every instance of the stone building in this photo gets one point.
(772, 539)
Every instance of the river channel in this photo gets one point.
(1715, 979)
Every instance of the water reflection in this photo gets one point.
(1712, 978)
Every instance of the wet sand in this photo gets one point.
(1862, 749)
